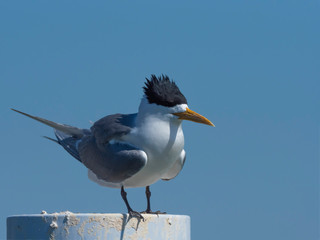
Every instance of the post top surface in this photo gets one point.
(68, 225)
(84, 215)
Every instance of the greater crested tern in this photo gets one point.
(133, 150)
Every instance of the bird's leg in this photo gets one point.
(148, 195)
(130, 211)
(148, 210)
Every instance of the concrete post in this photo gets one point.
(89, 226)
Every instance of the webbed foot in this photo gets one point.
(148, 211)
(135, 214)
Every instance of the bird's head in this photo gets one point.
(164, 96)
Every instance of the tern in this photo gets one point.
(133, 150)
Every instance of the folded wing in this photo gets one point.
(99, 148)
(108, 158)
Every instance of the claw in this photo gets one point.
(148, 211)
(130, 211)
(134, 214)
(151, 212)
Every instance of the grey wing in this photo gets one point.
(111, 161)
(176, 168)
(112, 126)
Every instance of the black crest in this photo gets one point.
(163, 91)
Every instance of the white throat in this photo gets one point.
(157, 130)
(159, 134)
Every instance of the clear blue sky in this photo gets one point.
(251, 67)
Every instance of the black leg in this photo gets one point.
(130, 211)
(148, 195)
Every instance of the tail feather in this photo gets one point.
(73, 131)
(69, 143)
(67, 136)
(51, 139)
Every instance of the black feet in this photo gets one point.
(134, 214)
(137, 214)
(151, 212)
(148, 210)
(130, 211)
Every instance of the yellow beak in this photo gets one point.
(193, 116)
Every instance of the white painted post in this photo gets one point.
(89, 226)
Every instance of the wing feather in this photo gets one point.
(111, 161)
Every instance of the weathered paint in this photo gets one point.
(67, 225)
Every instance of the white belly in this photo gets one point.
(162, 142)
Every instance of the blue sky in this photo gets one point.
(251, 67)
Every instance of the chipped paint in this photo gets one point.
(54, 224)
(70, 221)
(68, 225)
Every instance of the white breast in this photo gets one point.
(162, 140)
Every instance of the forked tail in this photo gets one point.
(68, 137)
